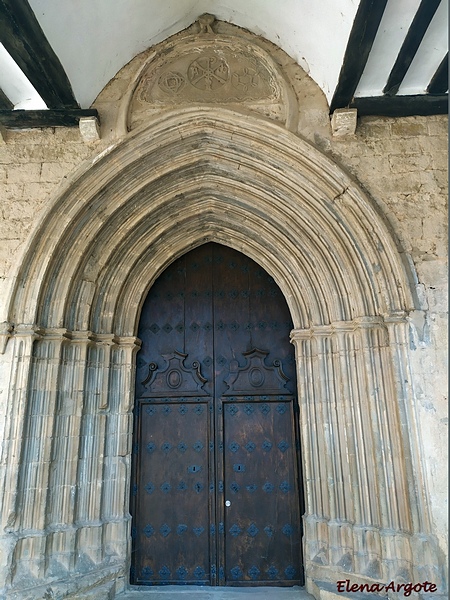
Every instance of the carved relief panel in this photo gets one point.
(213, 73)
(210, 68)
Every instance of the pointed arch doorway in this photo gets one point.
(216, 494)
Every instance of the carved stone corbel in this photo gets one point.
(205, 22)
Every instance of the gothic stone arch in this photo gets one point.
(197, 175)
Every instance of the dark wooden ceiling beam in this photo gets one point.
(5, 102)
(411, 44)
(25, 41)
(360, 42)
(26, 119)
(401, 106)
(439, 81)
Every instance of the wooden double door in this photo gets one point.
(216, 491)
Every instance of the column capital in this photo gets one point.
(398, 317)
(6, 330)
(129, 341)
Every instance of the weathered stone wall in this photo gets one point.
(402, 163)
(33, 163)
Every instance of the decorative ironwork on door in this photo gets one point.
(216, 495)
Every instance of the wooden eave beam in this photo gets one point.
(410, 45)
(401, 106)
(439, 81)
(5, 102)
(26, 119)
(25, 41)
(360, 42)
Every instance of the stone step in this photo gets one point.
(215, 593)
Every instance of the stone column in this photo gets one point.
(63, 483)
(30, 560)
(363, 506)
(89, 547)
(117, 463)
(389, 478)
(313, 449)
(70, 461)
(101, 507)
(20, 348)
(357, 505)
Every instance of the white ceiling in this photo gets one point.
(16, 86)
(394, 25)
(105, 35)
(94, 39)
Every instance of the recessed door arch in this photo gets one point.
(216, 491)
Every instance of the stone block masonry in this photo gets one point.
(33, 164)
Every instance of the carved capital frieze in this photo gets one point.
(337, 327)
(28, 332)
(368, 322)
(55, 334)
(129, 345)
(398, 326)
(128, 342)
(105, 339)
(396, 318)
(86, 337)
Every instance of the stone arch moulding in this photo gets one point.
(192, 176)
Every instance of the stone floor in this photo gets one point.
(216, 593)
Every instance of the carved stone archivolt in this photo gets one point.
(209, 68)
